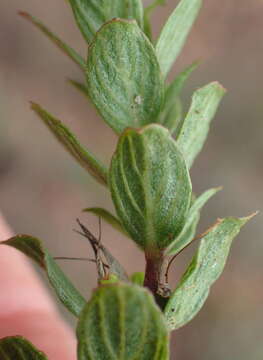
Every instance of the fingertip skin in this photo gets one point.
(26, 308)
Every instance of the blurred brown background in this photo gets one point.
(42, 190)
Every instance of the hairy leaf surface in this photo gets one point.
(196, 124)
(90, 15)
(175, 32)
(123, 76)
(150, 186)
(205, 268)
(122, 322)
(172, 114)
(65, 290)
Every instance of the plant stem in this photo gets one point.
(153, 271)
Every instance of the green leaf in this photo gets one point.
(108, 217)
(104, 268)
(171, 117)
(65, 290)
(186, 236)
(58, 42)
(135, 11)
(175, 32)
(84, 157)
(196, 124)
(90, 15)
(82, 88)
(122, 322)
(175, 87)
(137, 278)
(18, 348)
(115, 268)
(150, 186)
(123, 76)
(172, 114)
(147, 14)
(205, 268)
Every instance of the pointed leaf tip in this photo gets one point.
(71, 53)
(84, 157)
(195, 127)
(204, 269)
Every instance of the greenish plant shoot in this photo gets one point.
(125, 77)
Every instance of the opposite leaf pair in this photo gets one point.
(148, 178)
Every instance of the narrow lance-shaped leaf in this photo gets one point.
(65, 290)
(82, 88)
(175, 32)
(108, 217)
(186, 236)
(84, 157)
(58, 42)
(122, 322)
(175, 87)
(147, 14)
(18, 348)
(90, 15)
(135, 11)
(172, 113)
(172, 117)
(196, 124)
(150, 186)
(205, 268)
(123, 76)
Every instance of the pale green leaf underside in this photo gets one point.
(90, 15)
(122, 322)
(71, 53)
(150, 186)
(108, 217)
(83, 156)
(175, 87)
(205, 268)
(186, 236)
(65, 290)
(123, 76)
(172, 112)
(147, 14)
(195, 127)
(175, 31)
(18, 348)
(136, 11)
(172, 116)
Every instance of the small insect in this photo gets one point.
(106, 264)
